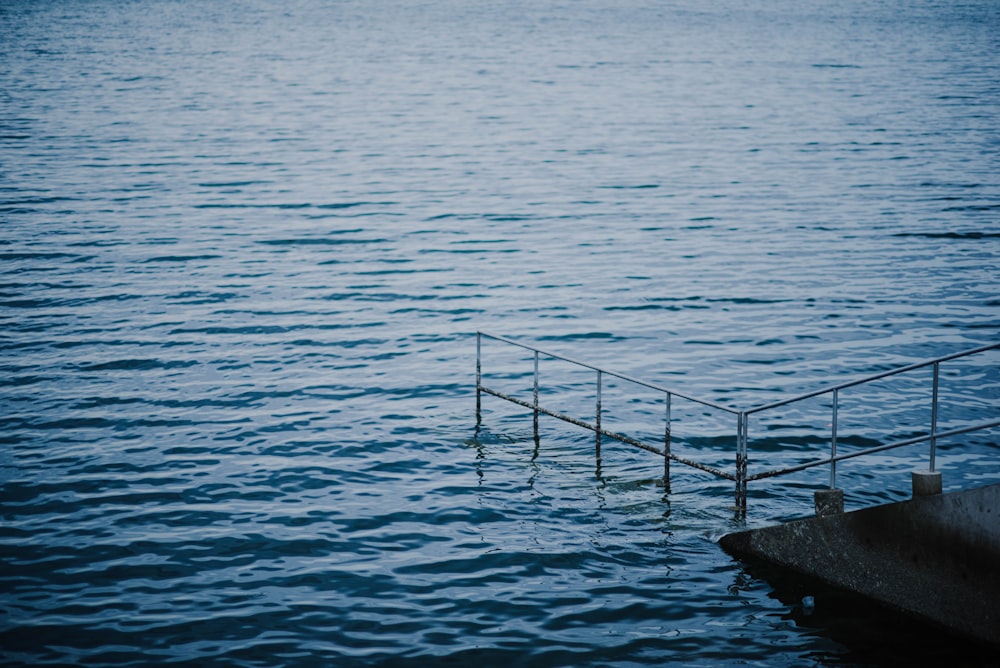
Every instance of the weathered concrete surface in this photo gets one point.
(937, 557)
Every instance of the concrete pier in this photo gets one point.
(935, 556)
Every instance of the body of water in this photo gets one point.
(245, 248)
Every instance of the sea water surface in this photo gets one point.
(245, 248)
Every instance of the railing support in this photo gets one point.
(928, 483)
(535, 395)
(666, 446)
(833, 441)
(831, 501)
(479, 379)
(598, 417)
(741, 462)
(934, 412)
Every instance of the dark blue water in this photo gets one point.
(245, 250)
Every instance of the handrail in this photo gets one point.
(741, 475)
(869, 451)
(868, 379)
(930, 437)
(606, 372)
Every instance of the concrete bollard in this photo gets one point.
(828, 502)
(926, 483)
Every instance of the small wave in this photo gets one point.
(181, 258)
(582, 336)
(319, 241)
(233, 205)
(35, 256)
(646, 307)
(136, 365)
(230, 184)
(351, 205)
(950, 235)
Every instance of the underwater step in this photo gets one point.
(933, 556)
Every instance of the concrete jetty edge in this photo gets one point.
(935, 557)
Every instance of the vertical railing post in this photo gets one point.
(741, 462)
(479, 379)
(934, 412)
(666, 446)
(831, 501)
(598, 419)
(535, 395)
(833, 441)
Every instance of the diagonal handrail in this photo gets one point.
(608, 372)
(873, 377)
(931, 437)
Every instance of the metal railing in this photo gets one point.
(931, 436)
(740, 474)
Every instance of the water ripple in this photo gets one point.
(245, 253)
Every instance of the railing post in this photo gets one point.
(928, 483)
(831, 501)
(598, 419)
(934, 412)
(535, 395)
(833, 442)
(666, 446)
(479, 379)
(741, 462)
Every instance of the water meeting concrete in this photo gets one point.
(935, 556)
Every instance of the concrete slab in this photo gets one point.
(936, 557)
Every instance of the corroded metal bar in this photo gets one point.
(610, 434)
(479, 379)
(666, 445)
(535, 395)
(741, 462)
(597, 429)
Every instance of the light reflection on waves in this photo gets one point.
(240, 275)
